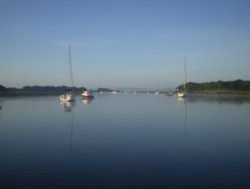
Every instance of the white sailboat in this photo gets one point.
(183, 93)
(69, 94)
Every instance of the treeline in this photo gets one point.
(50, 89)
(3, 89)
(237, 85)
(39, 89)
(45, 90)
(105, 90)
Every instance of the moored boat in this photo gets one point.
(69, 94)
(183, 93)
(87, 94)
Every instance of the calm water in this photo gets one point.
(125, 141)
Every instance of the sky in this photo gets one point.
(123, 43)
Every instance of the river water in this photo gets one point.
(125, 141)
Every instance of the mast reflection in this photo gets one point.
(183, 102)
(68, 107)
(87, 101)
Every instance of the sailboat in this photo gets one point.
(183, 93)
(69, 94)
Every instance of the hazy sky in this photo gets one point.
(123, 43)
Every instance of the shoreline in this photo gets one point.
(193, 93)
(246, 93)
(13, 94)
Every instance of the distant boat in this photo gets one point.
(183, 93)
(87, 94)
(69, 94)
(169, 93)
(157, 93)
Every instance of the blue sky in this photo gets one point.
(123, 43)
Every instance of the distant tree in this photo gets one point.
(3, 89)
(104, 90)
(49, 89)
(237, 85)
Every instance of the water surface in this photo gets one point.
(125, 141)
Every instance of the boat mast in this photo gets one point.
(70, 70)
(185, 71)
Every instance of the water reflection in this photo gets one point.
(124, 141)
(71, 134)
(183, 103)
(67, 106)
(219, 98)
(87, 101)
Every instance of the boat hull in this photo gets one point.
(181, 94)
(67, 97)
(87, 95)
(91, 97)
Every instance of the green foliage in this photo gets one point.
(49, 89)
(104, 90)
(3, 89)
(33, 90)
(237, 85)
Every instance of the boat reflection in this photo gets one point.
(182, 100)
(183, 103)
(219, 98)
(67, 106)
(87, 101)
